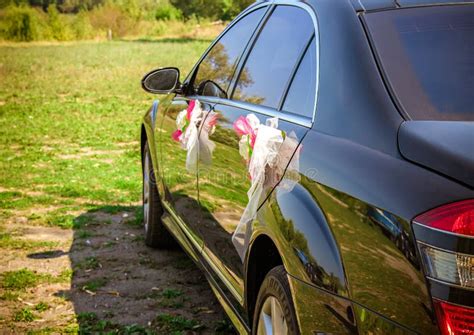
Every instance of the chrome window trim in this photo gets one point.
(271, 112)
(313, 16)
(229, 26)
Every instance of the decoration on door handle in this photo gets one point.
(268, 152)
(194, 125)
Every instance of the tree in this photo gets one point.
(212, 9)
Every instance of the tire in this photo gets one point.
(156, 234)
(275, 289)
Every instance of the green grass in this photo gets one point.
(172, 298)
(172, 293)
(20, 280)
(24, 315)
(70, 118)
(41, 306)
(9, 241)
(175, 324)
(94, 284)
(9, 296)
(89, 323)
(84, 234)
(89, 263)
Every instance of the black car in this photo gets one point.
(318, 164)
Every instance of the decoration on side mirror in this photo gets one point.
(268, 152)
(189, 121)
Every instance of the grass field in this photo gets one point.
(73, 258)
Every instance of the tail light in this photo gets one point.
(450, 267)
(453, 319)
(456, 218)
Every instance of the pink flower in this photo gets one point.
(191, 105)
(177, 135)
(212, 120)
(243, 127)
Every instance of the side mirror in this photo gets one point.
(162, 81)
(211, 89)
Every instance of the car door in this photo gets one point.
(217, 66)
(180, 183)
(267, 86)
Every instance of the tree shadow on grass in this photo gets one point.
(120, 285)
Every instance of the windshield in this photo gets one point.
(427, 57)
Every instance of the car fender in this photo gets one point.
(295, 223)
(148, 134)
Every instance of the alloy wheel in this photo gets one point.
(271, 318)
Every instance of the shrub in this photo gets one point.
(81, 26)
(21, 24)
(111, 17)
(58, 27)
(168, 12)
(24, 315)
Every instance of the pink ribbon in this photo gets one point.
(177, 135)
(191, 105)
(243, 127)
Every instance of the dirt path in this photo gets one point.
(101, 277)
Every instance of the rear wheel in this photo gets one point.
(274, 312)
(156, 235)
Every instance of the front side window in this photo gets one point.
(273, 58)
(427, 55)
(217, 68)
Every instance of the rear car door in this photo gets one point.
(269, 84)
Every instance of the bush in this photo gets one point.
(81, 26)
(168, 12)
(21, 24)
(59, 29)
(111, 17)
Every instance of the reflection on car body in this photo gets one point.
(375, 233)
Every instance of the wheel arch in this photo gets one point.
(143, 140)
(296, 235)
(263, 255)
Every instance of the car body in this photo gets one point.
(346, 229)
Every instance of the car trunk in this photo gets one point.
(444, 146)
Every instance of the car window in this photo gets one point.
(273, 57)
(219, 64)
(427, 57)
(301, 95)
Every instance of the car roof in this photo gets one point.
(369, 5)
(366, 5)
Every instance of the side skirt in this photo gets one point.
(173, 224)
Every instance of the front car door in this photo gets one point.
(276, 79)
(180, 196)
(216, 68)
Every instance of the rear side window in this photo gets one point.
(219, 64)
(427, 55)
(274, 56)
(301, 95)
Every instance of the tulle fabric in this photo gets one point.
(271, 153)
(195, 125)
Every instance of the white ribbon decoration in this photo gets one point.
(271, 154)
(198, 145)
